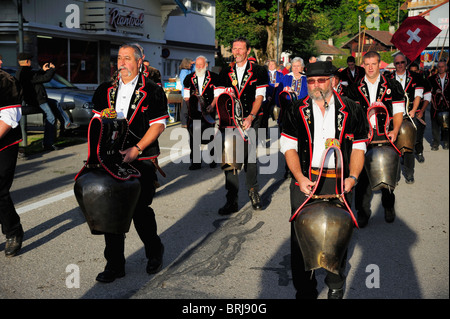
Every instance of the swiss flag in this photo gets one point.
(414, 35)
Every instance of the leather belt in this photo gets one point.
(330, 172)
(158, 168)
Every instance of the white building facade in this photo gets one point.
(82, 37)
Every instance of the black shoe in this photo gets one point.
(409, 180)
(434, 147)
(420, 158)
(50, 148)
(195, 166)
(362, 219)
(154, 264)
(13, 245)
(336, 293)
(255, 199)
(229, 208)
(389, 215)
(109, 275)
(445, 146)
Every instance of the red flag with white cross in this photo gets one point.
(414, 35)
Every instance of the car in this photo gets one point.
(77, 103)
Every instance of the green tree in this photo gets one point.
(258, 21)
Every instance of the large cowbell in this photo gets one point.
(285, 99)
(231, 119)
(382, 158)
(107, 189)
(406, 138)
(197, 109)
(324, 231)
(324, 227)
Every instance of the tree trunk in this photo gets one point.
(272, 37)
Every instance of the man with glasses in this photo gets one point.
(413, 88)
(374, 87)
(307, 125)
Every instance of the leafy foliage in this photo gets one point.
(300, 21)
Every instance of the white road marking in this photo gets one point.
(56, 198)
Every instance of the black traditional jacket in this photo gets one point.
(346, 75)
(209, 84)
(147, 105)
(255, 77)
(350, 127)
(413, 83)
(440, 95)
(389, 93)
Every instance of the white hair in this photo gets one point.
(297, 59)
(202, 57)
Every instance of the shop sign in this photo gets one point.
(118, 19)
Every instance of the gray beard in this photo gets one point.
(326, 94)
(200, 72)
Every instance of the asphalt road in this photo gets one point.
(208, 256)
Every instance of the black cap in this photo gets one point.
(320, 68)
(24, 56)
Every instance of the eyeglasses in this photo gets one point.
(400, 62)
(321, 81)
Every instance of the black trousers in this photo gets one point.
(143, 219)
(364, 194)
(409, 162)
(304, 281)
(418, 147)
(194, 144)
(9, 219)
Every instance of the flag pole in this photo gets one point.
(443, 44)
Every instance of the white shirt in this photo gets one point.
(443, 80)
(11, 116)
(200, 79)
(240, 74)
(124, 94)
(324, 128)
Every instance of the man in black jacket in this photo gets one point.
(374, 87)
(35, 94)
(144, 104)
(307, 124)
(10, 137)
(199, 93)
(248, 81)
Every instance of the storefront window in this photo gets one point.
(83, 61)
(83, 57)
